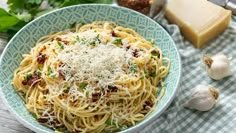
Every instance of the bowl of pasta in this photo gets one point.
(89, 68)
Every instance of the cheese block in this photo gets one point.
(199, 20)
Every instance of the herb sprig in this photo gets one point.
(21, 12)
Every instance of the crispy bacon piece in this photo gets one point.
(42, 120)
(61, 40)
(112, 88)
(61, 75)
(113, 33)
(148, 104)
(135, 53)
(41, 58)
(128, 47)
(32, 80)
(96, 96)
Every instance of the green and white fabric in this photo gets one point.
(222, 118)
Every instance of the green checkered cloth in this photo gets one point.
(221, 119)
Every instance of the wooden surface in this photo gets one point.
(8, 123)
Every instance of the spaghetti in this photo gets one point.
(97, 77)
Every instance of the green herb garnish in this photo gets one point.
(49, 71)
(154, 53)
(28, 76)
(78, 39)
(117, 41)
(133, 67)
(66, 88)
(144, 74)
(152, 73)
(35, 116)
(39, 72)
(21, 12)
(92, 43)
(82, 86)
(141, 78)
(109, 122)
(60, 45)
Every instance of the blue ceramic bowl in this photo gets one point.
(60, 20)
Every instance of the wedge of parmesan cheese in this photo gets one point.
(200, 21)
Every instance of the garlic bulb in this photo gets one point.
(203, 98)
(218, 66)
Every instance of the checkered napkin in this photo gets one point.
(221, 119)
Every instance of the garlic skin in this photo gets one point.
(218, 66)
(203, 98)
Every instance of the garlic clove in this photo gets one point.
(221, 57)
(218, 66)
(219, 71)
(203, 98)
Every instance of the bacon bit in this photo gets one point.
(60, 39)
(96, 96)
(135, 53)
(113, 33)
(113, 88)
(108, 94)
(148, 104)
(61, 64)
(128, 47)
(33, 79)
(42, 120)
(41, 58)
(61, 75)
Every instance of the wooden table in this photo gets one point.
(8, 123)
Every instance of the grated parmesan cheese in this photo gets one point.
(101, 64)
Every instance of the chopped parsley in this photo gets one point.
(144, 74)
(141, 78)
(35, 116)
(109, 122)
(78, 38)
(49, 71)
(66, 88)
(82, 85)
(154, 53)
(132, 67)
(38, 72)
(87, 92)
(60, 45)
(117, 41)
(152, 73)
(28, 76)
(93, 43)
